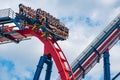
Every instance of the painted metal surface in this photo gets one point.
(88, 57)
(80, 66)
(106, 62)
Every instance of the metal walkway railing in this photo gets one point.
(7, 13)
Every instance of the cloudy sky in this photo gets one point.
(85, 19)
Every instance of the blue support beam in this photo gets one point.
(49, 62)
(39, 67)
(106, 66)
(2, 29)
(116, 76)
(18, 25)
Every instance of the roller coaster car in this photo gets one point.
(51, 25)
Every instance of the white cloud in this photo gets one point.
(27, 53)
(107, 2)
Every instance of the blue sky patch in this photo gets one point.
(6, 63)
(66, 19)
(90, 22)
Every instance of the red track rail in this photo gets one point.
(52, 48)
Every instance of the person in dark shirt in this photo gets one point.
(21, 8)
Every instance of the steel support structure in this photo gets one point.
(82, 65)
(49, 62)
(52, 48)
(106, 65)
(116, 76)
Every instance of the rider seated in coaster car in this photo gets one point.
(53, 21)
(23, 10)
(31, 13)
(37, 22)
(20, 8)
(40, 22)
(44, 25)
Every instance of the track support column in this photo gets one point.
(39, 68)
(44, 59)
(49, 63)
(106, 65)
